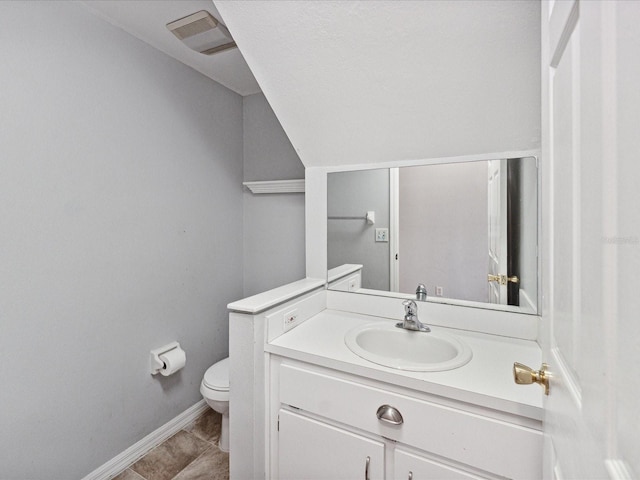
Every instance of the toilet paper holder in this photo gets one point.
(155, 363)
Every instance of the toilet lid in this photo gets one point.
(217, 375)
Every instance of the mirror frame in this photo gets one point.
(317, 178)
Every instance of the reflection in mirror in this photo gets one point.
(467, 231)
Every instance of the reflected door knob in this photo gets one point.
(524, 375)
(502, 279)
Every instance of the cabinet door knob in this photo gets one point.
(389, 414)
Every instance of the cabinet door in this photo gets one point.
(316, 451)
(413, 467)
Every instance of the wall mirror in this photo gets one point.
(467, 231)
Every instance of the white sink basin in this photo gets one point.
(385, 344)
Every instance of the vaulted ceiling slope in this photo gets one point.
(358, 82)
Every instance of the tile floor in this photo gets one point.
(191, 454)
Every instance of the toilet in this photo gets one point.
(215, 390)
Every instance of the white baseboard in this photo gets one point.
(120, 462)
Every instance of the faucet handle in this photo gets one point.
(421, 292)
(410, 307)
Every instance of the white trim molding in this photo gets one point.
(276, 186)
(125, 459)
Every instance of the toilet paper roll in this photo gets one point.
(173, 361)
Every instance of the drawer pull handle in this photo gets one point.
(389, 414)
(410, 475)
(366, 468)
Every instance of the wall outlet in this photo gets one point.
(290, 319)
(438, 291)
(382, 234)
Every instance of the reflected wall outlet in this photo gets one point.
(382, 234)
(438, 291)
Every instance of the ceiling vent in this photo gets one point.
(201, 32)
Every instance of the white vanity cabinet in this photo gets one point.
(412, 466)
(325, 426)
(315, 450)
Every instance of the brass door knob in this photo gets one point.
(524, 375)
(502, 279)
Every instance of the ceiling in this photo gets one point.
(362, 82)
(147, 19)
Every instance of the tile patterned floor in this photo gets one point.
(191, 454)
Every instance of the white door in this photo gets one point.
(497, 229)
(591, 245)
(313, 450)
(394, 230)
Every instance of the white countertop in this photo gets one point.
(342, 271)
(487, 380)
(264, 301)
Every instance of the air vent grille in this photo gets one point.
(201, 32)
(195, 24)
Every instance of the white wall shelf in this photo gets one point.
(276, 186)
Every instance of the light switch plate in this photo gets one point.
(382, 234)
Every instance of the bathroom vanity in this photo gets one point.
(309, 407)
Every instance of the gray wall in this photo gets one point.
(443, 229)
(120, 214)
(274, 224)
(268, 153)
(353, 241)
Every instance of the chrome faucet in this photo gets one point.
(421, 293)
(411, 321)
